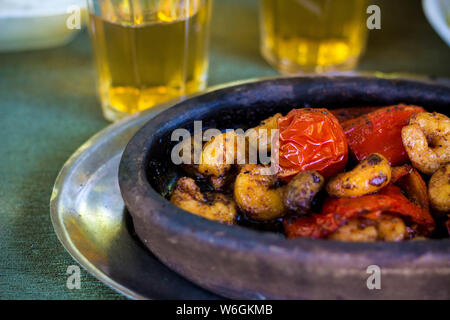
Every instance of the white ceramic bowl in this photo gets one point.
(32, 24)
(438, 14)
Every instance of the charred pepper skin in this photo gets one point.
(336, 212)
(380, 132)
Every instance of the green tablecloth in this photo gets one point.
(48, 107)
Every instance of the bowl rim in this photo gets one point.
(169, 216)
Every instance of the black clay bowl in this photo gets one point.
(238, 262)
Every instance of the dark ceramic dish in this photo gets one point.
(238, 262)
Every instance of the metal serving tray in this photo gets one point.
(90, 220)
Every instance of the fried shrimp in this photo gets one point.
(416, 145)
(442, 148)
(356, 231)
(439, 189)
(188, 163)
(432, 124)
(213, 206)
(214, 155)
(386, 228)
(391, 228)
(219, 155)
(369, 176)
(427, 141)
(257, 195)
(222, 152)
(301, 191)
(263, 132)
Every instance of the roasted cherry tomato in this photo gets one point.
(380, 132)
(311, 139)
(335, 212)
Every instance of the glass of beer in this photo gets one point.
(148, 51)
(313, 35)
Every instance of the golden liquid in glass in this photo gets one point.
(313, 35)
(147, 58)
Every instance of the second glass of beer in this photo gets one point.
(148, 51)
(313, 35)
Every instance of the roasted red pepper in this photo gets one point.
(380, 132)
(311, 139)
(400, 171)
(415, 188)
(344, 114)
(335, 212)
(415, 212)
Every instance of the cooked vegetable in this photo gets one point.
(369, 176)
(257, 195)
(415, 188)
(212, 206)
(311, 139)
(380, 132)
(439, 189)
(336, 212)
(382, 198)
(427, 141)
(345, 114)
(301, 191)
(447, 224)
(399, 172)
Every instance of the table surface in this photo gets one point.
(48, 108)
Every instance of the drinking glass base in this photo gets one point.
(288, 67)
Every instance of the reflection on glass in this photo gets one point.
(148, 51)
(313, 35)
